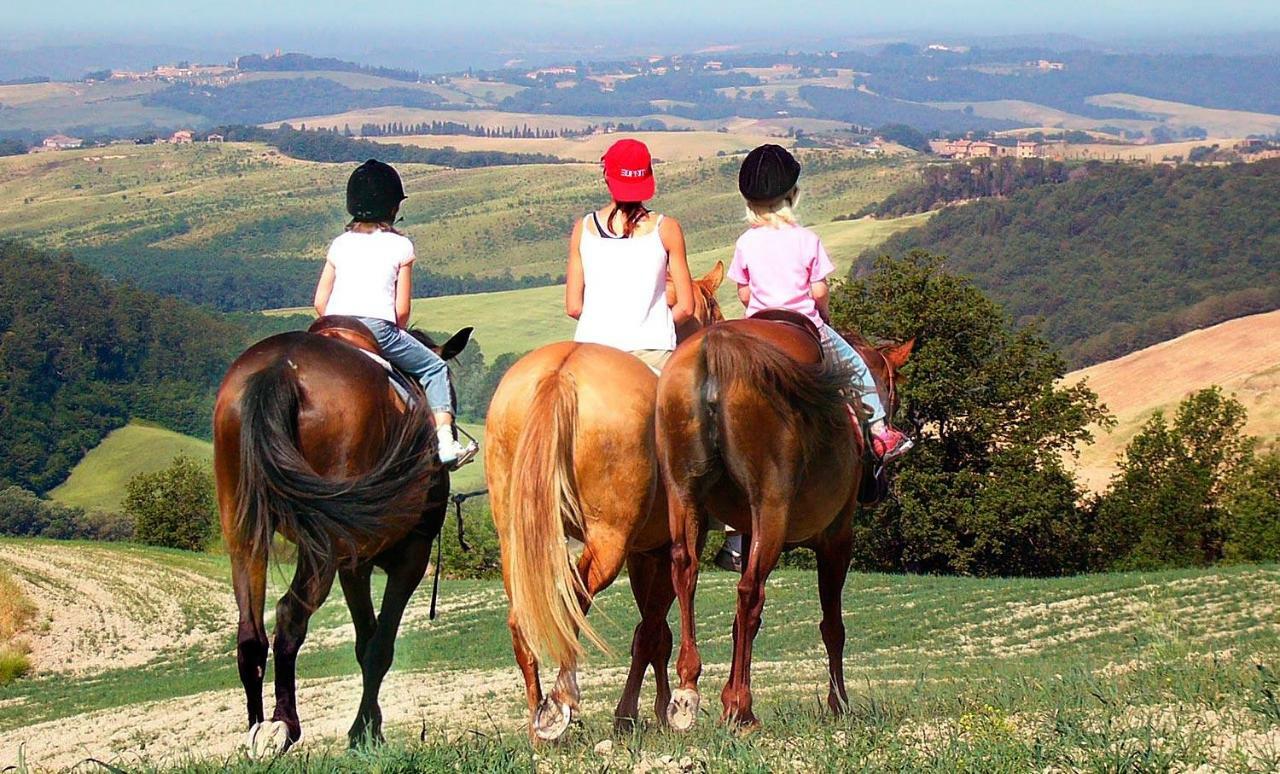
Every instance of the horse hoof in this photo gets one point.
(269, 739)
(682, 712)
(551, 720)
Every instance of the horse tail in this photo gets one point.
(546, 589)
(279, 490)
(809, 395)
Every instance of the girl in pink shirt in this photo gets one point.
(780, 264)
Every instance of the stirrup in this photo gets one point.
(468, 454)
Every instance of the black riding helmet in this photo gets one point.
(374, 191)
(768, 172)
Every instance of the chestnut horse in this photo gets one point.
(311, 441)
(570, 453)
(753, 429)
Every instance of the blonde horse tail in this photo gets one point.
(546, 589)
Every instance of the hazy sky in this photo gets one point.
(607, 18)
(446, 36)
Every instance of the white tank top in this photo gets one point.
(624, 302)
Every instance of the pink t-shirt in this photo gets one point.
(779, 265)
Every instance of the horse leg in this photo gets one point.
(687, 538)
(762, 557)
(650, 575)
(405, 568)
(306, 593)
(598, 566)
(356, 590)
(834, 553)
(249, 577)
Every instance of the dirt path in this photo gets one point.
(101, 608)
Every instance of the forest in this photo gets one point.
(258, 102)
(306, 63)
(1122, 257)
(942, 184)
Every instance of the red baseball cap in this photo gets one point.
(628, 171)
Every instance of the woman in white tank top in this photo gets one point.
(620, 257)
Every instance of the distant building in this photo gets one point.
(964, 149)
(712, 64)
(214, 138)
(1029, 149)
(61, 142)
(181, 137)
(1046, 65)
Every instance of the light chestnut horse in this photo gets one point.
(753, 429)
(570, 453)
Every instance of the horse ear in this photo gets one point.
(456, 343)
(897, 355)
(711, 281)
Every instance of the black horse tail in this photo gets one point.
(279, 490)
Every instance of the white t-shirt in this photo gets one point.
(366, 267)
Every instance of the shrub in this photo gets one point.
(25, 514)
(173, 507)
(1165, 505)
(1251, 512)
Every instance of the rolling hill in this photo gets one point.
(1120, 256)
(1242, 356)
(98, 481)
(239, 226)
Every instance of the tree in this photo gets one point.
(985, 491)
(1251, 512)
(1165, 506)
(173, 507)
(904, 135)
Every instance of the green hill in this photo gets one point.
(1116, 672)
(98, 480)
(1120, 257)
(239, 226)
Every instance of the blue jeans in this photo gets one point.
(413, 356)
(862, 382)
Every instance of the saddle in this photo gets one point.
(350, 330)
(875, 481)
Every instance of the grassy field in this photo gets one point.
(1220, 123)
(98, 480)
(245, 200)
(1118, 672)
(668, 146)
(93, 106)
(1242, 356)
(1037, 115)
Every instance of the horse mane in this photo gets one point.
(811, 396)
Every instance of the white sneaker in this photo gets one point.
(454, 455)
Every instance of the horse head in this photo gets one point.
(885, 365)
(706, 309)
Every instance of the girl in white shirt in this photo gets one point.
(620, 257)
(369, 274)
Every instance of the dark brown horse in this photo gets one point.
(753, 429)
(570, 453)
(311, 441)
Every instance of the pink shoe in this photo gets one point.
(890, 444)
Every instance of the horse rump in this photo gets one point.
(328, 518)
